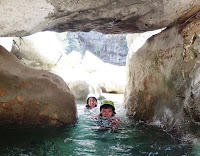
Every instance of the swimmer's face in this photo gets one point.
(92, 102)
(107, 112)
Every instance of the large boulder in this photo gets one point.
(110, 78)
(33, 97)
(91, 75)
(163, 80)
(80, 83)
(81, 88)
(22, 18)
(40, 51)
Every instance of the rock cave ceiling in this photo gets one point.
(22, 18)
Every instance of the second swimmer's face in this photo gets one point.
(107, 112)
(92, 102)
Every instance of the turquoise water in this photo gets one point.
(86, 139)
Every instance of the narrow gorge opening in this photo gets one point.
(79, 68)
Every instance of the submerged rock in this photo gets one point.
(33, 97)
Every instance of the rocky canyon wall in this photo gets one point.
(110, 48)
(163, 86)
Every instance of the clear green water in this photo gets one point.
(84, 139)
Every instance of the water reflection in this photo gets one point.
(84, 138)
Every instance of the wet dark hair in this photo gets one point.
(106, 106)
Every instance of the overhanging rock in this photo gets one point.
(21, 18)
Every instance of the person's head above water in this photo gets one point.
(91, 101)
(107, 108)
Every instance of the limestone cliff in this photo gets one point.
(109, 48)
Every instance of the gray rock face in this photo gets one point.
(21, 18)
(163, 86)
(44, 50)
(33, 97)
(109, 48)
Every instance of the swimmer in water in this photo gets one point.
(107, 111)
(91, 101)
